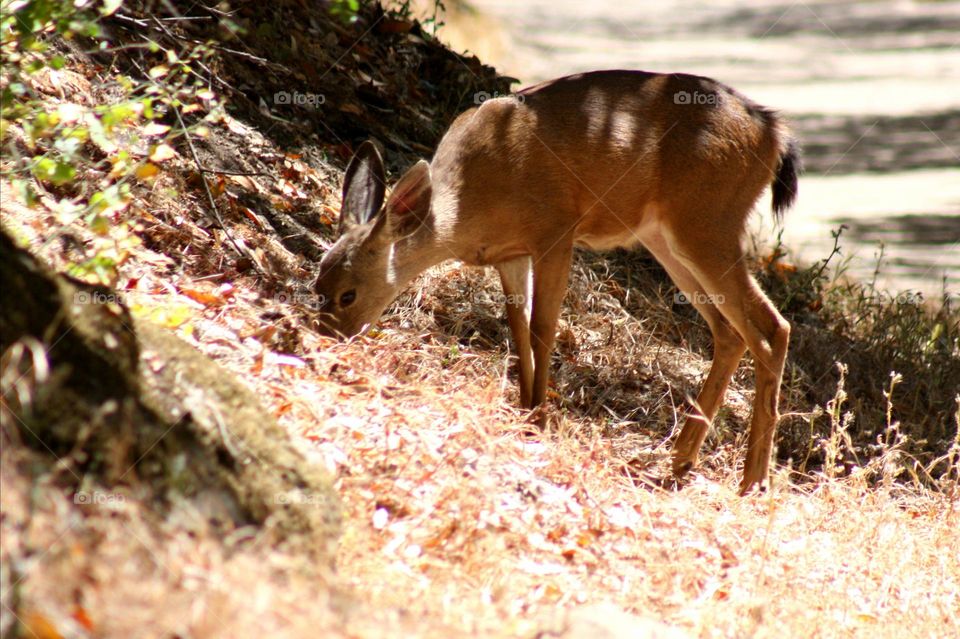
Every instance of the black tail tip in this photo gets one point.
(785, 183)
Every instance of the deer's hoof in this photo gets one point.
(682, 466)
(755, 485)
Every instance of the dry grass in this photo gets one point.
(456, 512)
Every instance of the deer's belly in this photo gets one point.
(627, 238)
(489, 255)
(603, 232)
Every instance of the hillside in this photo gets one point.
(180, 166)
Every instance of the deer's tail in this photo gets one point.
(785, 182)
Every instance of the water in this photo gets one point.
(871, 89)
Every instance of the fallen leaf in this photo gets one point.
(147, 171)
(217, 186)
(207, 299)
(162, 152)
(37, 626)
(154, 128)
(245, 182)
(80, 616)
(390, 25)
(250, 215)
(285, 360)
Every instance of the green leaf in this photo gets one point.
(57, 172)
(110, 200)
(24, 189)
(110, 6)
(158, 71)
(99, 137)
(63, 173)
(116, 114)
(100, 225)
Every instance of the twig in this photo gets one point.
(218, 12)
(161, 28)
(244, 54)
(219, 172)
(210, 198)
(170, 34)
(124, 18)
(184, 18)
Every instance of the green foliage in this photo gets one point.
(345, 10)
(875, 333)
(82, 160)
(434, 22)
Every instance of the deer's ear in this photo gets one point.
(409, 204)
(363, 187)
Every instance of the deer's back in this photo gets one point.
(601, 155)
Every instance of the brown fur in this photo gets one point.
(599, 160)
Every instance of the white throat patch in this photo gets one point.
(392, 265)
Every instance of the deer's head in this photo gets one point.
(360, 274)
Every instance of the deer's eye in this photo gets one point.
(347, 298)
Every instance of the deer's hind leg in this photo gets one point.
(717, 262)
(728, 349)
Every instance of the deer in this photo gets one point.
(673, 162)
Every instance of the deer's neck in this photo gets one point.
(411, 256)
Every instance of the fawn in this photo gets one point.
(599, 160)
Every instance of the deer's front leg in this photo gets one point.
(550, 273)
(515, 279)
